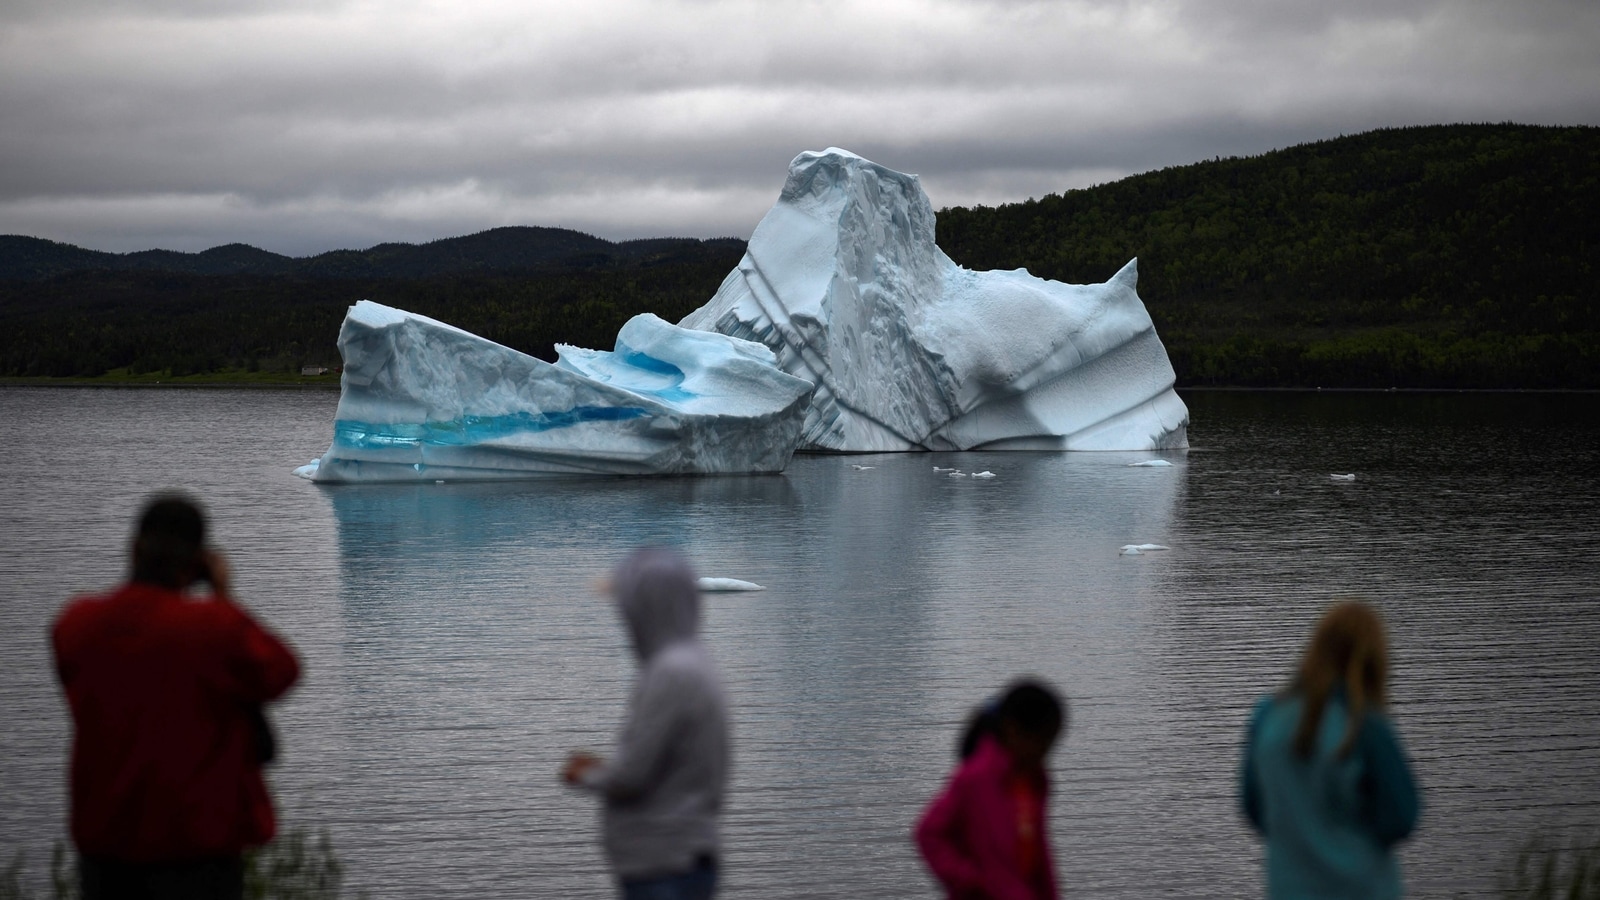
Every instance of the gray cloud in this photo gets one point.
(301, 127)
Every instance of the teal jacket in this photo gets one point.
(1330, 824)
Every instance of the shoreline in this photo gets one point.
(313, 383)
(327, 383)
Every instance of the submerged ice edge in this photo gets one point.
(469, 430)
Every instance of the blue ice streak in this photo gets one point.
(470, 430)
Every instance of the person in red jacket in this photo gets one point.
(984, 836)
(166, 689)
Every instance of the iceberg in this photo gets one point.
(843, 282)
(425, 401)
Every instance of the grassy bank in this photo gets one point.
(223, 378)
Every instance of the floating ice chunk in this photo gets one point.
(861, 468)
(1150, 464)
(1137, 549)
(843, 282)
(957, 475)
(983, 474)
(425, 401)
(1338, 477)
(943, 469)
(309, 470)
(725, 585)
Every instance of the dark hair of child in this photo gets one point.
(1029, 705)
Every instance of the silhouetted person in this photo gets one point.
(166, 691)
(1324, 778)
(664, 785)
(985, 835)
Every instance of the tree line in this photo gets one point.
(1458, 256)
(1449, 256)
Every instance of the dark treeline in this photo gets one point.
(88, 323)
(498, 250)
(1448, 256)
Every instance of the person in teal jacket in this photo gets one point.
(1325, 780)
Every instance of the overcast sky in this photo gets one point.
(302, 126)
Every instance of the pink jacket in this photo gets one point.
(968, 835)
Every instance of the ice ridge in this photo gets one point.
(843, 282)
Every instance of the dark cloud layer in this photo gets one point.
(301, 127)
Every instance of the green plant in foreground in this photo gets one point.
(63, 879)
(1543, 870)
(293, 867)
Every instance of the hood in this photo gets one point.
(658, 598)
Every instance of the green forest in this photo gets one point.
(1448, 257)
(1456, 256)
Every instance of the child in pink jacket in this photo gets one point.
(984, 835)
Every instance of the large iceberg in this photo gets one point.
(424, 401)
(843, 282)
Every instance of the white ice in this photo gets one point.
(1149, 464)
(426, 401)
(843, 281)
(1338, 477)
(1138, 549)
(724, 585)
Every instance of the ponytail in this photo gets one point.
(1348, 649)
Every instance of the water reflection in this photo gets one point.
(897, 596)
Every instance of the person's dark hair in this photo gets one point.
(166, 547)
(1031, 705)
(985, 720)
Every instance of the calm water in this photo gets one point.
(455, 649)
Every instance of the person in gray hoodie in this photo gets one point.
(664, 785)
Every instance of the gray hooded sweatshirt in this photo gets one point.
(664, 784)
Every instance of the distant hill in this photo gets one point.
(1447, 256)
(513, 249)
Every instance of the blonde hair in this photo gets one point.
(1348, 648)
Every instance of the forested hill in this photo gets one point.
(511, 249)
(1449, 256)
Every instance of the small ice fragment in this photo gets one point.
(984, 474)
(958, 474)
(438, 481)
(861, 468)
(1130, 550)
(1136, 549)
(1149, 463)
(723, 585)
(1338, 477)
(942, 469)
(309, 470)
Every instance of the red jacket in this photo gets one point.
(161, 688)
(969, 835)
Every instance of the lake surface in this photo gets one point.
(455, 649)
